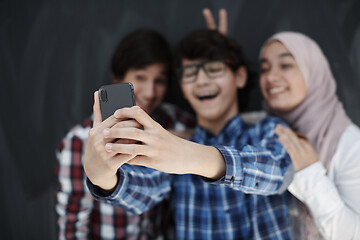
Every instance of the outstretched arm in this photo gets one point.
(161, 150)
(253, 169)
(155, 148)
(118, 140)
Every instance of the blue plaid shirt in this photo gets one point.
(234, 207)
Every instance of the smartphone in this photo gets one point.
(115, 96)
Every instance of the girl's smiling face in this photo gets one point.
(281, 81)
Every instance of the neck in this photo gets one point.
(215, 125)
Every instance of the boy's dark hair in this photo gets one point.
(208, 44)
(138, 49)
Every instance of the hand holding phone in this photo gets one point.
(115, 96)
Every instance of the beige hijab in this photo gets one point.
(320, 116)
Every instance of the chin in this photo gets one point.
(281, 108)
(277, 105)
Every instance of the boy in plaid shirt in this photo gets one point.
(142, 58)
(225, 183)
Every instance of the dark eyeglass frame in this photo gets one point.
(180, 70)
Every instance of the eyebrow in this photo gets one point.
(190, 65)
(287, 54)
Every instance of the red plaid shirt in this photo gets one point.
(81, 217)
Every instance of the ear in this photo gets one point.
(241, 77)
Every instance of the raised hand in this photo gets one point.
(101, 166)
(299, 148)
(210, 21)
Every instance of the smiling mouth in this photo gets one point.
(276, 90)
(207, 97)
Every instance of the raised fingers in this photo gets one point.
(223, 23)
(209, 19)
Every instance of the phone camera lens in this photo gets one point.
(103, 95)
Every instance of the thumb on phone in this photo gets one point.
(96, 110)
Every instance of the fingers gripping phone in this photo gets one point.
(115, 96)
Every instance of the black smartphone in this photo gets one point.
(115, 96)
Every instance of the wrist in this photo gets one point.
(218, 164)
(108, 184)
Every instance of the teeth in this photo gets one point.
(276, 90)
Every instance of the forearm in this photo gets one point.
(202, 160)
(333, 216)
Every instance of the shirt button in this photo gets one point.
(232, 179)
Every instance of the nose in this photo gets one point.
(149, 91)
(202, 78)
(272, 75)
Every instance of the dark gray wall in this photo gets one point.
(53, 55)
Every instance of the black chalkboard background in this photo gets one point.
(55, 54)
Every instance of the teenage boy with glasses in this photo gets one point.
(219, 184)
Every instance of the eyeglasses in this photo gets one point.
(212, 69)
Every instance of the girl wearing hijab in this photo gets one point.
(298, 87)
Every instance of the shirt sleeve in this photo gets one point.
(138, 189)
(264, 168)
(74, 202)
(333, 198)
